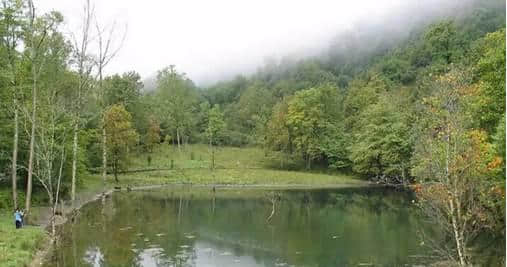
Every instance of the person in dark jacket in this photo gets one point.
(18, 218)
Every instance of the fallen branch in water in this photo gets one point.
(272, 212)
(273, 198)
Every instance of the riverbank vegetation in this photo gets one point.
(18, 246)
(425, 112)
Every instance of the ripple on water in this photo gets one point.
(199, 237)
(226, 253)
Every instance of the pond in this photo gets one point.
(197, 226)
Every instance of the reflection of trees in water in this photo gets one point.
(94, 257)
(74, 218)
(326, 226)
(97, 229)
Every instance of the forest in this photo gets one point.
(425, 111)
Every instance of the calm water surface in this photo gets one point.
(183, 226)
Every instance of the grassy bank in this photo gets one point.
(234, 166)
(17, 246)
(169, 165)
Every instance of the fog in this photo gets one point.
(213, 40)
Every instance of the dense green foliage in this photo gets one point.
(373, 110)
(121, 137)
(361, 116)
(428, 111)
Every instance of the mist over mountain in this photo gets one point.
(338, 95)
(367, 29)
(361, 38)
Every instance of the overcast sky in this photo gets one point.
(212, 39)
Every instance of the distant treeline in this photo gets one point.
(360, 107)
(427, 110)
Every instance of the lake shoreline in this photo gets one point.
(40, 255)
(159, 207)
(257, 186)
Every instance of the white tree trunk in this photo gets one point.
(104, 155)
(74, 163)
(32, 145)
(53, 226)
(459, 244)
(212, 166)
(14, 169)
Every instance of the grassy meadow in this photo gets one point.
(169, 165)
(233, 166)
(17, 246)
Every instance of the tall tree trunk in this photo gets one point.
(32, 145)
(104, 155)
(213, 203)
(452, 209)
(57, 197)
(459, 245)
(74, 162)
(289, 140)
(212, 154)
(105, 54)
(212, 158)
(178, 138)
(308, 162)
(115, 169)
(15, 156)
(179, 209)
(52, 220)
(73, 238)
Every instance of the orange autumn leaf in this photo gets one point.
(495, 163)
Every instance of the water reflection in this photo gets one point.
(94, 257)
(185, 226)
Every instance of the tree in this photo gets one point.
(441, 42)
(278, 137)
(216, 125)
(451, 164)
(52, 130)
(153, 134)
(35, 36)
(494, 198)
(381, 142)
(11, 22)
(51, 120)
(252, 112)
(124, 89)
(499, 141)
(490, 73)
(107, 50)
(311, 114)
(177, 101)
(120, 136)
(84, 68)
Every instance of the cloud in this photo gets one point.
(211, 40)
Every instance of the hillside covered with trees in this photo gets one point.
(426, 111)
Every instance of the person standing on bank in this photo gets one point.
(18, 217)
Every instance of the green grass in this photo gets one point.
(191, 165)
(234, 177)
(234, 166)
(198, 156)
(17, 246)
